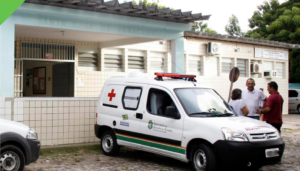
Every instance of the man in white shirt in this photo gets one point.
(252, 97)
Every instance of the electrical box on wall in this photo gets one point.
(256, 68)
(214, 48)
(270, 73)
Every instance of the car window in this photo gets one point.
(201, 101)
(158, 101)
(293, 93)
(131, 97)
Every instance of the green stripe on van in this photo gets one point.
(152, 144)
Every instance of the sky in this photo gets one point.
(220, 10)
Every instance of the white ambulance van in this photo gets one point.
(174, 116)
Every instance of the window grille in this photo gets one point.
(88, 60)
(194, 64)
(136, 60)
(279, 68)
(157, 62)
(32, 50)
(242, 65)
(18, 78)
(226, 65)
(113, 60)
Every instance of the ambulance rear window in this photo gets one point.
(131, 97)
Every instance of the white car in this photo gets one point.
(182, 119)
(294, 100)
(19, 146)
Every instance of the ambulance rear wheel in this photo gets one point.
(109, 144)
(203, 158)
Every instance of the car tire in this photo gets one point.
(109, 144)
(298, 108)
(203, 158)
(11, 158)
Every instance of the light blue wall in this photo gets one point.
(177, 47)
(64, 18)
(294, 85)
(7, 41)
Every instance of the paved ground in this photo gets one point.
(137, 160)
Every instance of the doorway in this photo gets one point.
(51, 79)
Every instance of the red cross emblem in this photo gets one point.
(111, 95)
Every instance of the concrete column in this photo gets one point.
(147, 61)
(186, 63)
(125, 60)
(102, 68)
(177, 50)
(7, 51)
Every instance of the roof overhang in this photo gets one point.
(240, 40)
(126, 9)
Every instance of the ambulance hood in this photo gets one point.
(245, 124)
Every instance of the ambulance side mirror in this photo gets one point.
(171, 112)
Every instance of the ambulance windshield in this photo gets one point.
(203, 102)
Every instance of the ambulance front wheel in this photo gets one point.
(203, 158)
(109, 144)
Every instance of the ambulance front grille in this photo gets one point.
(264, 136)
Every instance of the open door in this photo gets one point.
(63, 80)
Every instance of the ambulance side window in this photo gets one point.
(131, 97)
(158, 101)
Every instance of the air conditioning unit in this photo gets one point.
(256, 68)
(270, 73)
(214, 48)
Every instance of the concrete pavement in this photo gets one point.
(291, 121)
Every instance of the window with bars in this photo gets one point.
(88, 60)
(279, 68)
(242, 65)
(157, 61)
(113, 60)
(136, 60)
(226, 65)
(33, 50)
(194, 64)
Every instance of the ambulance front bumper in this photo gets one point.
(232, 154)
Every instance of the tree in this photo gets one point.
(262, 18)
(233, 28)
(200, 26)
(279, 22)
(148, 4)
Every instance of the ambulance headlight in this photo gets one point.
(31, 134)
(234, 135)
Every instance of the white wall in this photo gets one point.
(221, 82)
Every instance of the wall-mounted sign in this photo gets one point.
(49, 56)
(271, 54)
(80, 80)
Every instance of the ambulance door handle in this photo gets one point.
(139, 115)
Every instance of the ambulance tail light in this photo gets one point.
(96, 117)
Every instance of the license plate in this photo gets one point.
(273, 152)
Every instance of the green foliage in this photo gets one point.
(202, 27)
(148, 4)
(233, 28)
(279, 22)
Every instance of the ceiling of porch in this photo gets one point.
(106, 40)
